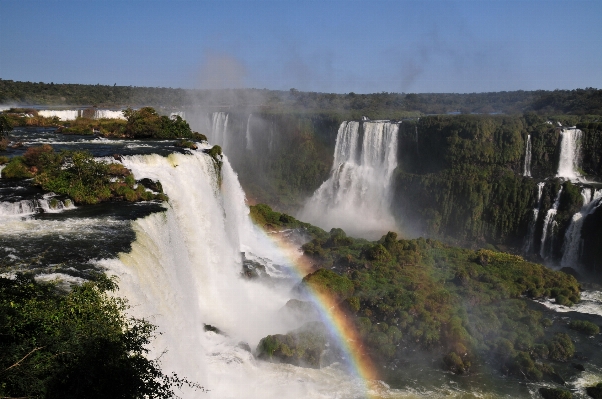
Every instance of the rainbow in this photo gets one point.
(335, 319)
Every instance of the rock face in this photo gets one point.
(306, 346)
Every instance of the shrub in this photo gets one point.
(585, 327)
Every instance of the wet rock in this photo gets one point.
(244, 346)
(209, 327)
(578, 366)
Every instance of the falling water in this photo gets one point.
(527, 171)
(219, 129)
(248, 134)
(572, 238)
(34, 206)
(529, 242)
(65, 115)
(570, 145)
(108, 114)
(548, 224)
(184, 271)
(357, 195)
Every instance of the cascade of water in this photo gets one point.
(219, 129)
(548, 224)
(527, 171)
(108, 114)
(357, 195)
(248, 134)
(572, 239)
(570, 146)
(31, 207)
(66, 115)
(184, 271)
(529, 242)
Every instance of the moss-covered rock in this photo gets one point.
(585, 327)
(555, 393)
(301, 347)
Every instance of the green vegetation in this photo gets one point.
(462, 306)
(302, 347)
(460, 177)
(264, 217)
(75, 344)
(77, 175)
(585, 327)
(351, 105)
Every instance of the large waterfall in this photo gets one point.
(570, 145)
(184, 271)
(357, 195)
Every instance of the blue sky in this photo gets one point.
(326, 46)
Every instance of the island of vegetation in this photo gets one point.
(465, 309)
(79, 176)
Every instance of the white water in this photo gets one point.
(65, 115)
(108, 114)
(181, 114)
(248, 137)
(572, 238)
(184, 271)
(31, 207)
(357, 195)
(591, 303)
(527, 170)
(548, 224)
(219, 129)
(570, 146)
(529, 243)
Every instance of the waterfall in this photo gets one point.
(570, 146)
(527, 171)
(357, 195)
(529, 241)
(572, 239)
(219, 129)
(548, 224)
(108, 114)
(31, 207)
(65, 115)
(248, 134)
(183, 271)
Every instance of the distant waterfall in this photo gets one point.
(248, 134)
(108, 114)
(357, 195)
(529, 242)
(64, 115)
(572, 239)
(548, 224)
(527, 171)
(570, 146)
(219, 129)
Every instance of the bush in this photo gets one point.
(75, 344)
(585, 327)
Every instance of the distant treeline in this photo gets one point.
(351, 105)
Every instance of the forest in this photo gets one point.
(349, 105)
